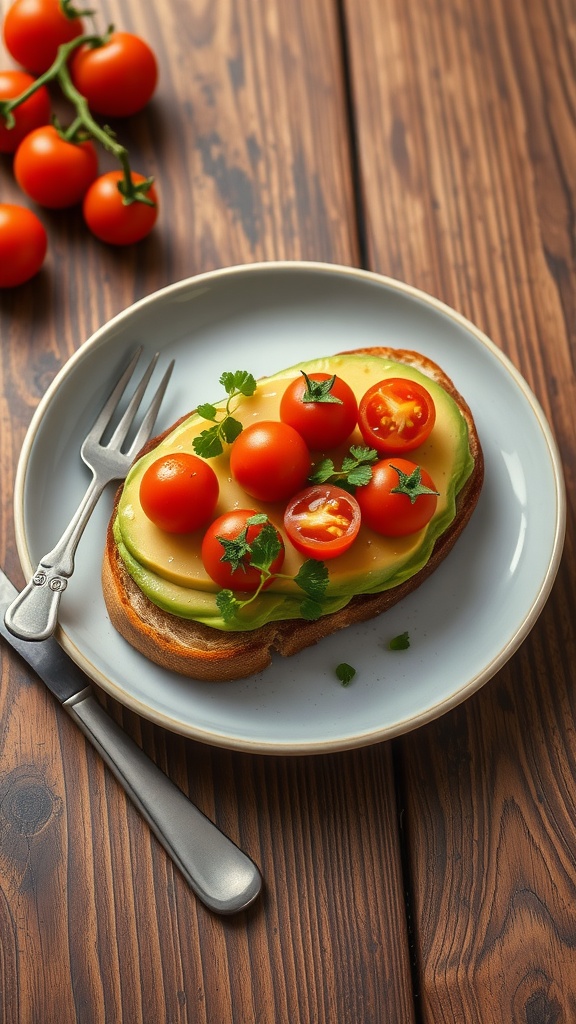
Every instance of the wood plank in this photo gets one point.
(248, 140)
(467, 150)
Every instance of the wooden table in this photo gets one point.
(424, 880)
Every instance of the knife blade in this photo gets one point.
(223, 877)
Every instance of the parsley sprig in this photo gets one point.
(356, 469)
(210, 442)
(260, 553)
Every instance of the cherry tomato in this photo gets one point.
(322, 521)
(270, 460)
(35, 111)
(53, 172)
(325, 422)
(118, 78)
(107, 216)
(34, 29)
(396, 415)
(179, 492)
(23, 244)
(397, 514)
(231, 526)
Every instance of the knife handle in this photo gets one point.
(220, 874)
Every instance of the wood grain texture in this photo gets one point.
(465, 128)
(248, 137)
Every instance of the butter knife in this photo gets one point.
(220, 874)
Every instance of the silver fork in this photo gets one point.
(34, 613)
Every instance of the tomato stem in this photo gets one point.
(83, 126)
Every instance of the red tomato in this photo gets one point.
(34, 112)
(34, 29)
(270, 460)
(322, 521)
(179, 492)
(117, 78)
(396, 415)
(323, 423)
(107, 216)
(231, 526)
(22, 245)
(53, 172)
(397, 514)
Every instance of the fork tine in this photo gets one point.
(127, 419)
(151, 413)
(109, 408)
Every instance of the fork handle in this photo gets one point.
(33, 615)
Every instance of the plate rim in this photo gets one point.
(431, 712)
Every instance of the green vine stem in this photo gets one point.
(83, 126)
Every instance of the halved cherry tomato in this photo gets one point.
(117, 78)
(35, 111)
(113, 221)
(270, 460)
(322, 521)
(34, 29)
(53, 172)
(23, 245)
(230, 527)
(396, 415)
(179, 492)
(325, 421)
(392, 513)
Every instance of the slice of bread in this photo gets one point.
(202, 652)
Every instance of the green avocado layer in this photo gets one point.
(167, 568)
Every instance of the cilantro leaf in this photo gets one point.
(228, 605)
(324, 471)
(207, 411)
(265, 547)
(400, 643)
(312, 578)
(345, 673)
(356, 469)
(310, 609)
(210, 442)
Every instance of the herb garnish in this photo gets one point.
(210, 442)
(356, 469)
(260, 553)
(400, 643)
(345, 673)
(320, 390)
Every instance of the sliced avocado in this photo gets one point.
(168, 568)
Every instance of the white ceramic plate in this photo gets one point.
(464, 622)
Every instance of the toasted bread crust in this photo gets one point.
(199, 651)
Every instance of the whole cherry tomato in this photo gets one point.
(236, 574)
(35, 111)
(400, 499)
(110, 219)
(270, 460)
(179, 492)
(321, 407)
(322, 521)
(396, 415)
(53, 172)
(34, 29)
(117, 78)
(22, 245)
